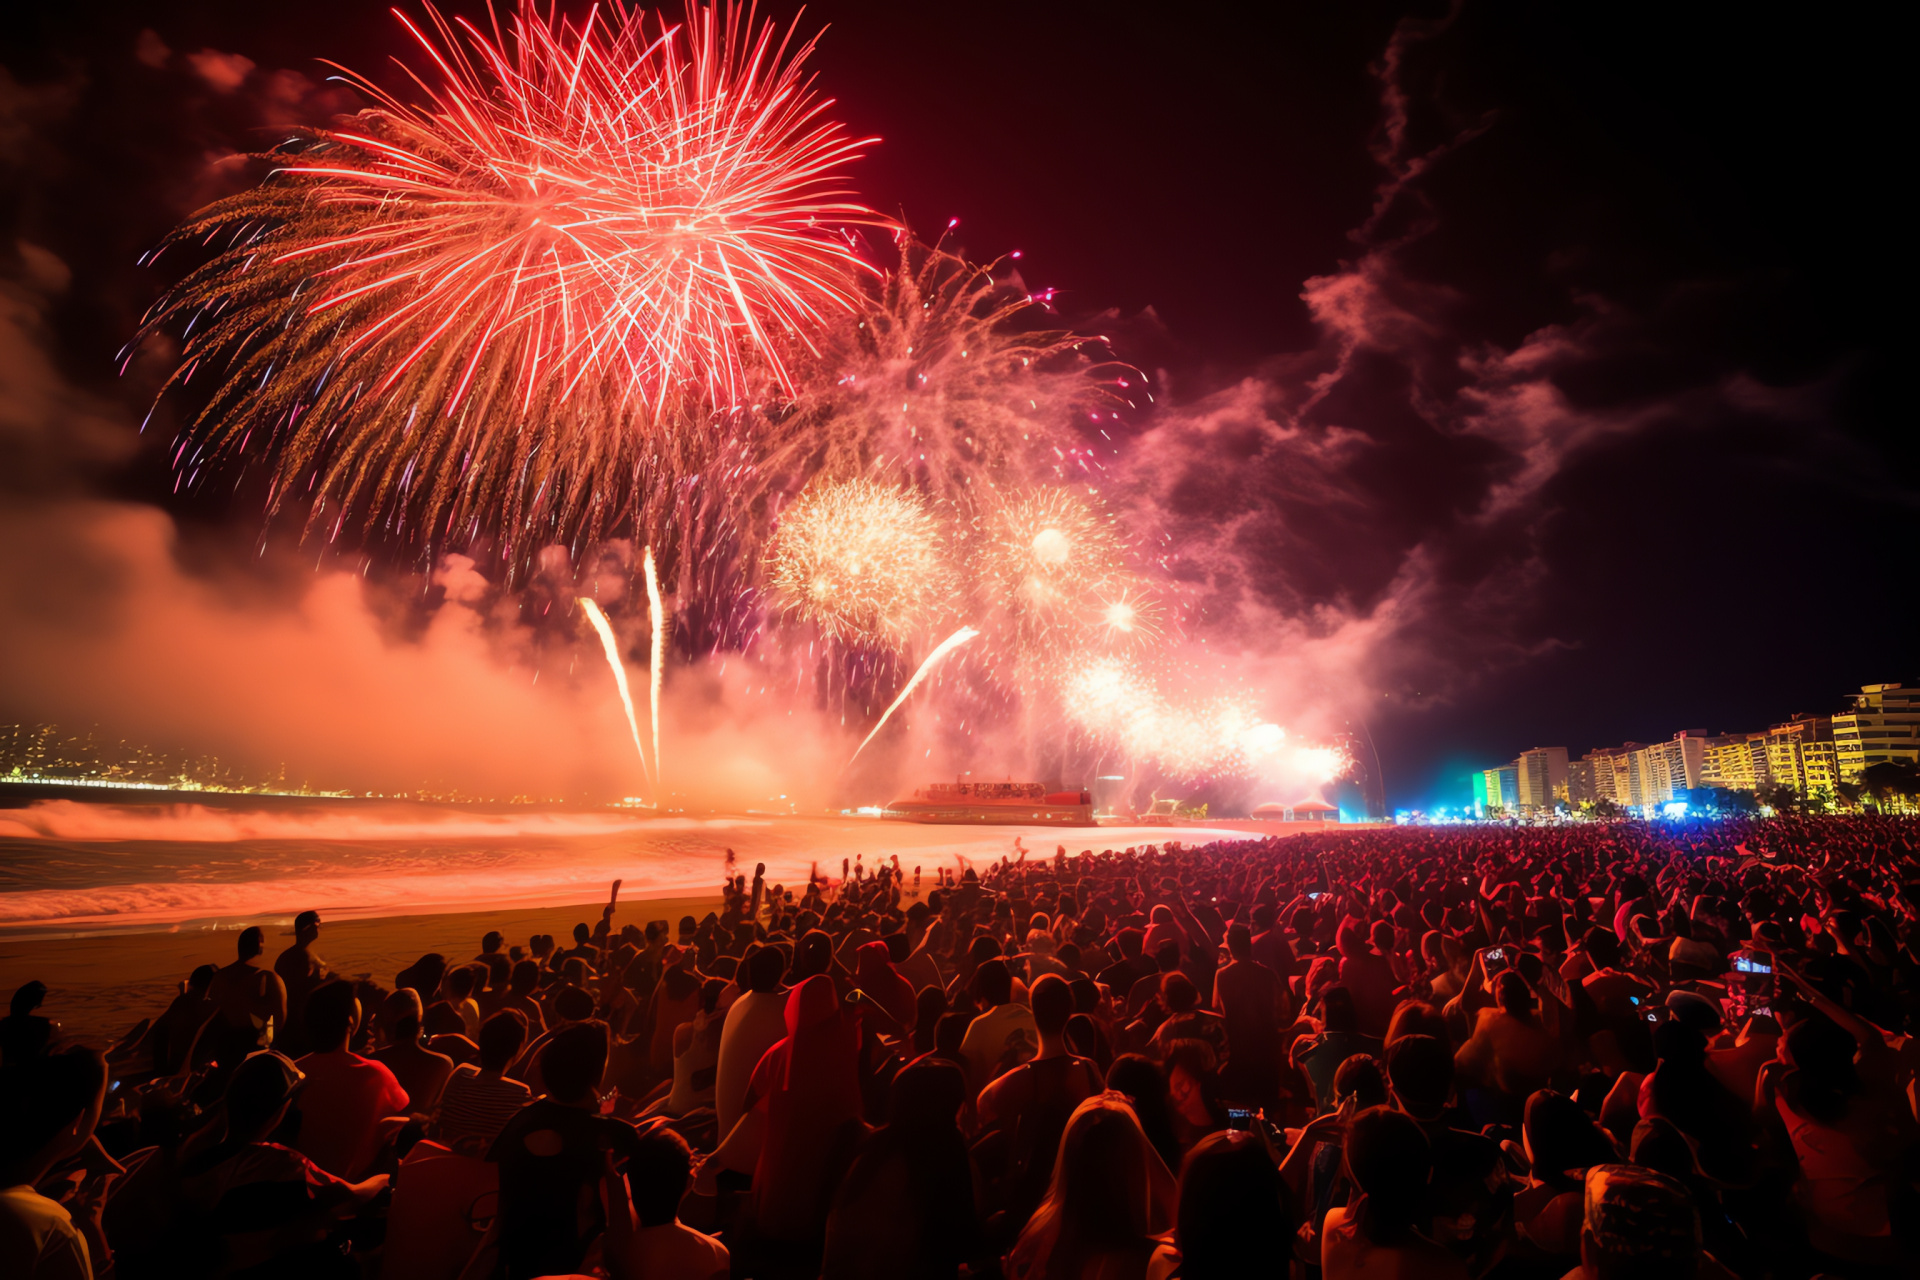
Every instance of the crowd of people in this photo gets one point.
(1604, 1051)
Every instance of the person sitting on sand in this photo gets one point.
(172, 1036)
(272, 1208)
(520, 988)
(661, 1247)
(301, 969)
(478, 1101)
(551, 1161)
(252, 1004)
(39, 1240)
(24, 1034)
(346, 1096)
(420, 1071)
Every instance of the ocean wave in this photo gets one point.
(192, 823)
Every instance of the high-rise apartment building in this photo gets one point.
(1882, 726)
(1820, 769)
(1580, 783)
(1610, 772)
(1662, 771)
(1541, 777)
(1737, 761)
(1812, 754)
(1786, 748)
(1503, 789)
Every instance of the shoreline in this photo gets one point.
(101, 984)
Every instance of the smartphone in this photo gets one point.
(1316, 895)
(1753, 980)
(1494, 960)
(1238, 1118)
(1657, 1013)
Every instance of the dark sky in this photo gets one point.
(1665, 223)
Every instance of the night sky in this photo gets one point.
(1540, 360)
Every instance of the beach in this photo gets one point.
(112, 905)
(99, 986)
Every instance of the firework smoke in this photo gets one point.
(611, 647)
(481, 312)
(1119, 705)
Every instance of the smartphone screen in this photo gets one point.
(1495, 960)
(1239, 1119)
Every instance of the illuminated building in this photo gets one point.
(1609, 772)
(1820, 768)
(1883, 726)
(1540, 775)
(1736, 761)
(1503, 789)
(1580, 785)
(1665, 769)
(1786, 748)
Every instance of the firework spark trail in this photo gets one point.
(486, 305)
(612, 649)
(656, 616)
(944, 648)
(948, 378)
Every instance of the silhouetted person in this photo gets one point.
(252, 1004)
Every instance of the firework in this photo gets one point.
(480, 310)
(1050, 556)
(940, 651)
(1115, 702)
(656, 617)
(611, 647)
(941, 379)
(859, 561)
(1124, 616)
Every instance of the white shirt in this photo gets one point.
(755, 1023)
(38, 1240)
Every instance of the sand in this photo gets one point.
(98, 987)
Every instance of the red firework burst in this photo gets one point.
(477, 301)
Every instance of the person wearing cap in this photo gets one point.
(1640, 1225)
(271, 1207)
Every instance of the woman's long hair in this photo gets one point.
(1824, 1076)
(1144, 1084)
(1233, 1206)
(1100, 1201)
(1560, 1138)
(1388, 1158)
